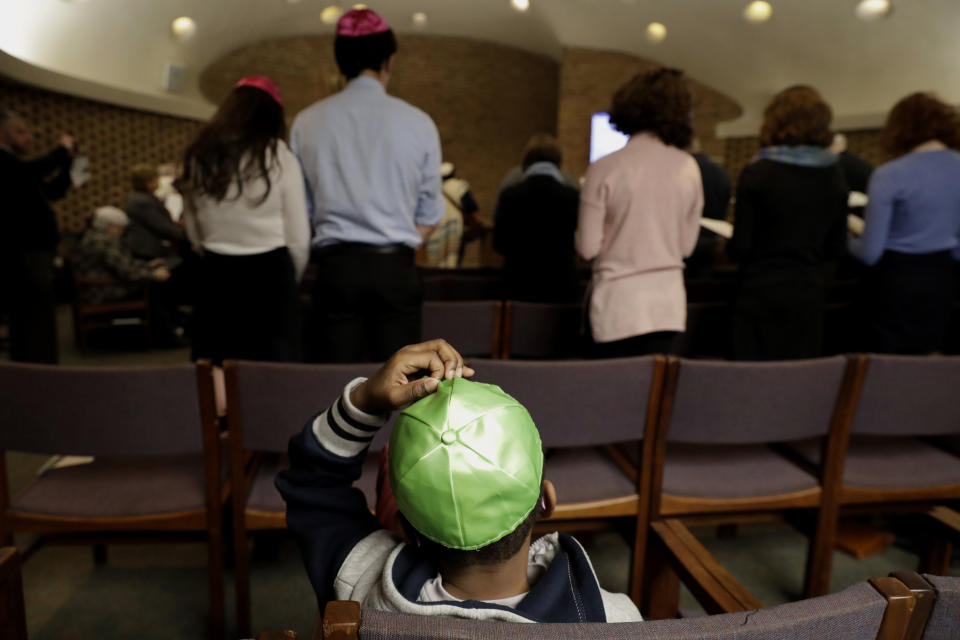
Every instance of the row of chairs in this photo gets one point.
(547, 331)
(903, 606)
(646, 439)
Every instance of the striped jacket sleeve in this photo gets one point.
(328, 515)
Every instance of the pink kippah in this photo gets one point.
(361, 22)
(264, 84)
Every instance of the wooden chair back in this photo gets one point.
(473, 326)
(881, 609)
(542, 331)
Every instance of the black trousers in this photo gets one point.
(247, 308)
(33, 307)
(367, 303)
(910, 298)
(642, 345)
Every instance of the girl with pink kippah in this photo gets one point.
(246, 209)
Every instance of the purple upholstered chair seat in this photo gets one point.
(586, 474)
(730, 471)
(944, 622)
(264, 495)
(852, 614)
(877, 462)
(125, 487)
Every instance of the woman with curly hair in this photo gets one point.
(790, 218)
(246, 207)
(912, 233)
(640, 216)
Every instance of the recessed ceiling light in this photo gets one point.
(758, 11)
(656, 32)
(359, 6)
(183, 28)
(520, 5)
(871, 10)
(420, 19)
(331, 14)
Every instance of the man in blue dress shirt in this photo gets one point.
(372, 167)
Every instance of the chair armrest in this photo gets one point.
(946, 522)
(340, 621)
(715, 589)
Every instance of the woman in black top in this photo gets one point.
(790, 217)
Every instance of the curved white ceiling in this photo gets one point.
(116, 49)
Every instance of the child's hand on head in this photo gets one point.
(399, 381)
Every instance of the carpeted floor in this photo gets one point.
(154, 591)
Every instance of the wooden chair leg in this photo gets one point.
(215, 580)
(637, 560)
(820, 554)
(935, 556)
(241, 572)
(661, 588)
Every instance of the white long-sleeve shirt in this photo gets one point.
(247, 226)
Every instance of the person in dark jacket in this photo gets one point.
(716, 200)
(151, 232)
(534, 225)
(28, 243)
(789, 219)
(471, 552)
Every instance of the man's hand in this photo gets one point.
(397, 384)
(157, 262)
(161, 274)
(68, 143)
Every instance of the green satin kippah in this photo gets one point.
(466, 464)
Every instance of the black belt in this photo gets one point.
(358, 248)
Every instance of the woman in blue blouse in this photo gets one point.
(912, 234)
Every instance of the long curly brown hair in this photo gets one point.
(919, 118)
(797, 116)
(657, 102)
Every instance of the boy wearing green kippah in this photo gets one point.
(466, 467)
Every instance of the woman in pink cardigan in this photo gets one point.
(640, 217)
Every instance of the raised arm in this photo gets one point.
(327, 514)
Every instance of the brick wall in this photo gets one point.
(113, 138)
(486, 99)
(588, 80)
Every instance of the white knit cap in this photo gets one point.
(104, 216)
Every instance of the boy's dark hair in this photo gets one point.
(542, 147)
(656, 102)
(356, 55)
(448, 559)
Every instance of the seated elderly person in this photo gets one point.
(152, 232)
(103, 256)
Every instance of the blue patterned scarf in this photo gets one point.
(803, 156)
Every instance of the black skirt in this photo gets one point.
(247, 308)
(909, 301)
